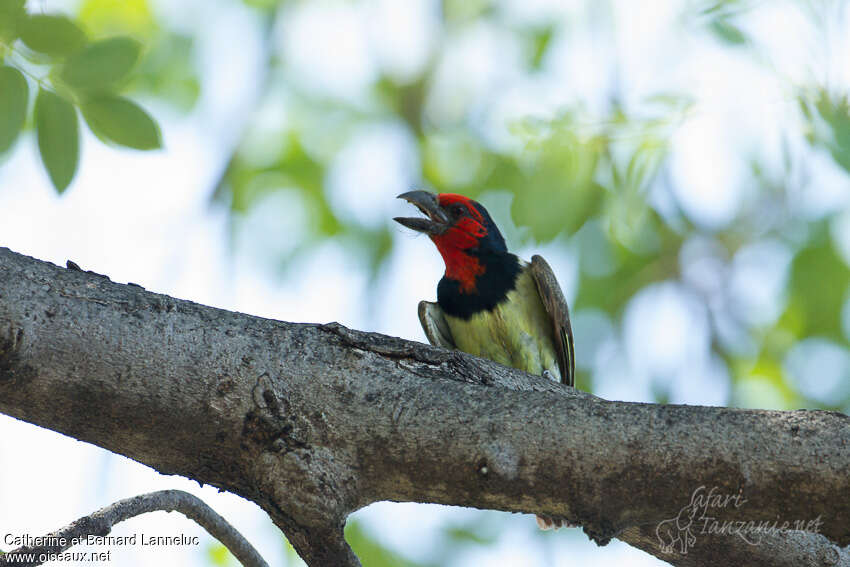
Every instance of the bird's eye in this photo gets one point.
(457, 210)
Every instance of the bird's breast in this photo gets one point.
(516, 332)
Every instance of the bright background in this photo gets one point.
(683, 165)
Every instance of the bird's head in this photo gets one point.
(461, 229)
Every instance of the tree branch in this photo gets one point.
(312, 422)
(791, 549)
(101, 523)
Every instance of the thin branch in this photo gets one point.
(323, 546)
(101, 523)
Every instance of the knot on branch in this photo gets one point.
(12, 368)
(280, 441)
(270, 425)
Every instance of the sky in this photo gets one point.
(147, 218)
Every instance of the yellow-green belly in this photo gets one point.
(517, 332)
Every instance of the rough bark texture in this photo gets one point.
(313, 422)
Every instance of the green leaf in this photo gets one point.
(119, 120)
(819, 283)
(540, 42)
(103, 18)
(58, 137)
(52, 34)
(728, 32)
(14, 96)
(11, 14)
(101, 64)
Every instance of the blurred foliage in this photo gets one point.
(456, 12)
(819, 283)
(372, 553)
(54, 56)
(719, 18)
(479, 529)
(828, 121)
(167, 71)
(220, 556)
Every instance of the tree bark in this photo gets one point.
(313, 422)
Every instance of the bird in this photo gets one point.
(490, 303)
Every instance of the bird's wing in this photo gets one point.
(559, 313)
(435, 326)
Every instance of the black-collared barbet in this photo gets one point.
(490, 303)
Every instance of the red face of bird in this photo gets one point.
(461, 229)
(454, 222)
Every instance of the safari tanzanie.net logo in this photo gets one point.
(699, 517)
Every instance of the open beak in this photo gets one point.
(437, 222)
